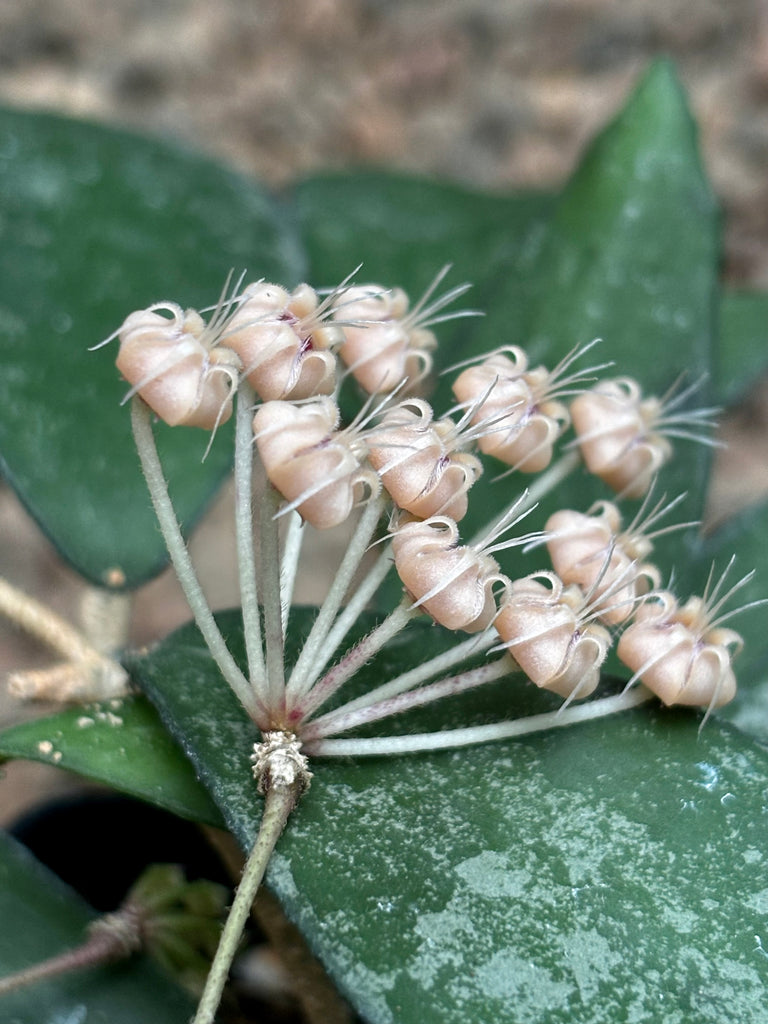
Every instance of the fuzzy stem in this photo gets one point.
(112, 937)
(294, 540)
(408, 680)
(182, 563)
(453, 738)
(309, 666)
(335, 723)
(270, 590)
(279, 802)
(246, 559)
(356, 605)
(354, 659)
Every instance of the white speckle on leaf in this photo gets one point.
(489, 874)
(523, 986)
(710, 776)
(109, 718)
(758, 902)
(591, 960)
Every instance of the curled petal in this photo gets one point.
(521, 420)
(418, 469)
(311, 464)
(381, 347)
(453, 584)
(173, 371)
(528, 444)
(589, 551)
(615, 431)
(283, 343)
(542, 628)
(282, 429)
(675, 652)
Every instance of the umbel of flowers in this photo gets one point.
(280, 357)
(277, 358)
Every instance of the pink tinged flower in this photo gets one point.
(284, 341)
(591, 550)
(388, 344)
(548, 630)
(415, 458)
(519, 407)
(617, 438)
(521, 425)
(383, 346)
(624, 438)
(169, 362)
(316, 468)
(680, 653)
(451, 582)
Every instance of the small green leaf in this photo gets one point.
(742, 354)
(42, 918)
(96, 223)
(597, 873)
(123, 745)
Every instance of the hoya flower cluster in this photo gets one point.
(284, 355)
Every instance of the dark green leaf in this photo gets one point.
(42, 918)
(743, 344)
(403, 229)
(95, 223)
(122, 744)
(610, 871)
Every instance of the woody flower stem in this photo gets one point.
(182, 563)
(284, 777)
(111, 937)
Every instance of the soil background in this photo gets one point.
(494, 93)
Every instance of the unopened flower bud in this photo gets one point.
(523, 417)
(545, 627)
(316, 468)
(418, 465)
(592, 551)
(383, 346)
(453, 583)
(617, 438)
(169, 364)
(679, 654)
(284, 343)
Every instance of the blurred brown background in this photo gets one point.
(494, 93)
